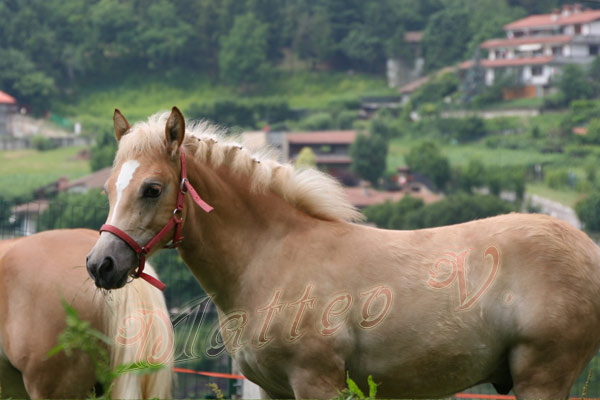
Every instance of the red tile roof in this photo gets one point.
(322, 137)
(5, 98)
(509, 62)
(95, 180)
(542, 20)
(514, 42)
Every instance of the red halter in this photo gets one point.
(176, 223)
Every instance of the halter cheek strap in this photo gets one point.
(175, 223)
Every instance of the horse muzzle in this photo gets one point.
(111, 262)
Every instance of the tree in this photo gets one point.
(472, 176)
(161, 35)
(446, 38)
(574, 84)
(103, 151)
(383, 125)
(393, 215)
(29, 84)
(411, 213)
(427, 159)
(369, 157)
(69, 210)
(306, 158)
(312, 41)
(243, 54)
(458, 208)
(588, 211)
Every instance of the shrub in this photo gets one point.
(384, 127)
(427, 159)
(317, 122)
(411, 213)
(369, 157)
(558, 178)
(346, 118)
(43, 143)
(588, 211)
(462, 129)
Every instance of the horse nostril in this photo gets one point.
(106, 268)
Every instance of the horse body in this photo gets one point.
(36, 272)
(304, 295)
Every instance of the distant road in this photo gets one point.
(521, 112)
(555, 209)
(549, 207)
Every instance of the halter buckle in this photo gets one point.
(182, 186)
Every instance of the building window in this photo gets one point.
(578, 29)
(537, 70)
(593, 49)
(557, 50)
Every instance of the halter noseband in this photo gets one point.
(175, 222)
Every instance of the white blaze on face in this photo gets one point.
(125, 176)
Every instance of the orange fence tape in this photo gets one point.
(206, 373)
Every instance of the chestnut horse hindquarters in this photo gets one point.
(486, 301)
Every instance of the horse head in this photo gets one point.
(143, 195)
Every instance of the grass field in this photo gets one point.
(460, 154)
(23, 171)
(139, 96)
(566, 197)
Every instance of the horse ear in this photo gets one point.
(175, 129)
(121, 124)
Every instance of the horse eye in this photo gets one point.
(152, 191)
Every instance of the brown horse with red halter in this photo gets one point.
(305, 295)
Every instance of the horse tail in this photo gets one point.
(139, 324)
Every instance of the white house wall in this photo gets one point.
(579, 50)
(489, 76)
(595, 28)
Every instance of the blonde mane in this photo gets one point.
(309, 190)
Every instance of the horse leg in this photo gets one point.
(540, 372)
(60, 377)
(323, 381)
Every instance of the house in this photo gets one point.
(536, 47)
(8, 107)
(331, 148)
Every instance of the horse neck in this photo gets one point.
(220, 246)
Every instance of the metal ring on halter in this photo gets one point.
(178, 218)
(182, 184)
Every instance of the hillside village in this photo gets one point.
(534, 52)
(428, 112)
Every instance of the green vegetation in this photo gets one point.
(353, 392)
(368, 157)
(80, 336)
(70, 210)
(24, 171)
(411, 213)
